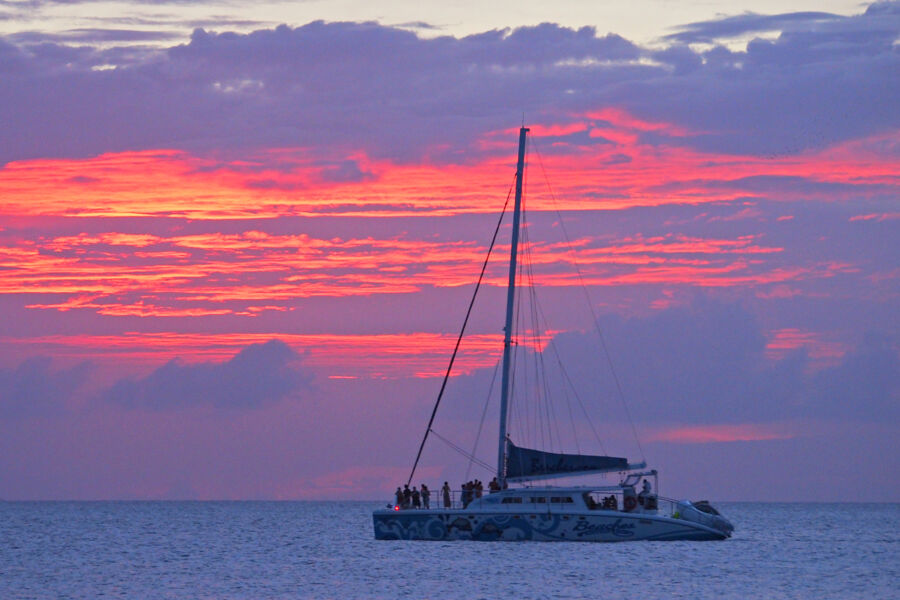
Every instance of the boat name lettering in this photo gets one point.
(617, 528)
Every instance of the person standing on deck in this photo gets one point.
(415, 498)
(426, 496)
(645, 493)
(446, 492)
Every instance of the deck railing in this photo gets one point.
(459, 500)
(437, 500)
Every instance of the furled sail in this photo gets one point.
(525, 463)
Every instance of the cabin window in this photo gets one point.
(512, 501)
(538, 500)
(561, 500)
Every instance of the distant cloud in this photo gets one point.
(257, 375)
(707, 364)
(94, 36)
(35, 388)
(383, 91)
(738, 25)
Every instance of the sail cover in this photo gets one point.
(525, 463)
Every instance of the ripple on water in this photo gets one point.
(262, 550)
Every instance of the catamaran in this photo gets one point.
(598, 513)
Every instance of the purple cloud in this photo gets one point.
(258, 375)
(35, 388)
(363, 86)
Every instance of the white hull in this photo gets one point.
(562, 526)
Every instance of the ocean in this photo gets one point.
(284, 550)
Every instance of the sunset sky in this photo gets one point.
(237, 242)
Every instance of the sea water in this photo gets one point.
(263, 550)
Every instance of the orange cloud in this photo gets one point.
(252, 272)
(378, 355)
(823, 352)
(169, 183)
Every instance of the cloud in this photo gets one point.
(346, 88)
(865, 384)
(35, 388)
(789, 23)
(739, 25)
(706, 366)
(93, 36)
(259, 374)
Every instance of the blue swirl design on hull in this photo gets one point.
(549, 527)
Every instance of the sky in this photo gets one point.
(237, 243)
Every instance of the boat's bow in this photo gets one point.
(702, 512)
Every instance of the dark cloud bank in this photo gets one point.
(701, 363)
(36, 389)
(341, 86)
(707, 363)
(258, 375)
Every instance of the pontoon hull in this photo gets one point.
(592, 526)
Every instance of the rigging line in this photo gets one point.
(591, 306)
(587, 417)
(453, 446)
(459, 339)
(541, 386)
(487, 401)
(514, 366)
(574, 389)
(527, 396)
(542, 389)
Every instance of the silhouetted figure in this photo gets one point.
(407, 496)
(446, 493)
(399, 495)
(644, 495)
(494, 486)
(479, 488)
(415, 498)
(468, 493)
(426, 496)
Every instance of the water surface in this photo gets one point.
(263, 550)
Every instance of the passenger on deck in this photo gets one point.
(494, 486)
(468, 493)
(415, 498)
(479, 488)
(446, 493)
(426, 496)
(645, 493)
(399, 496)
(407, 495)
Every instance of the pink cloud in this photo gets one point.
(706, 434)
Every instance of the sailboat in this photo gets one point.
(590, 513)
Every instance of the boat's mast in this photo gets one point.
(510, 300)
